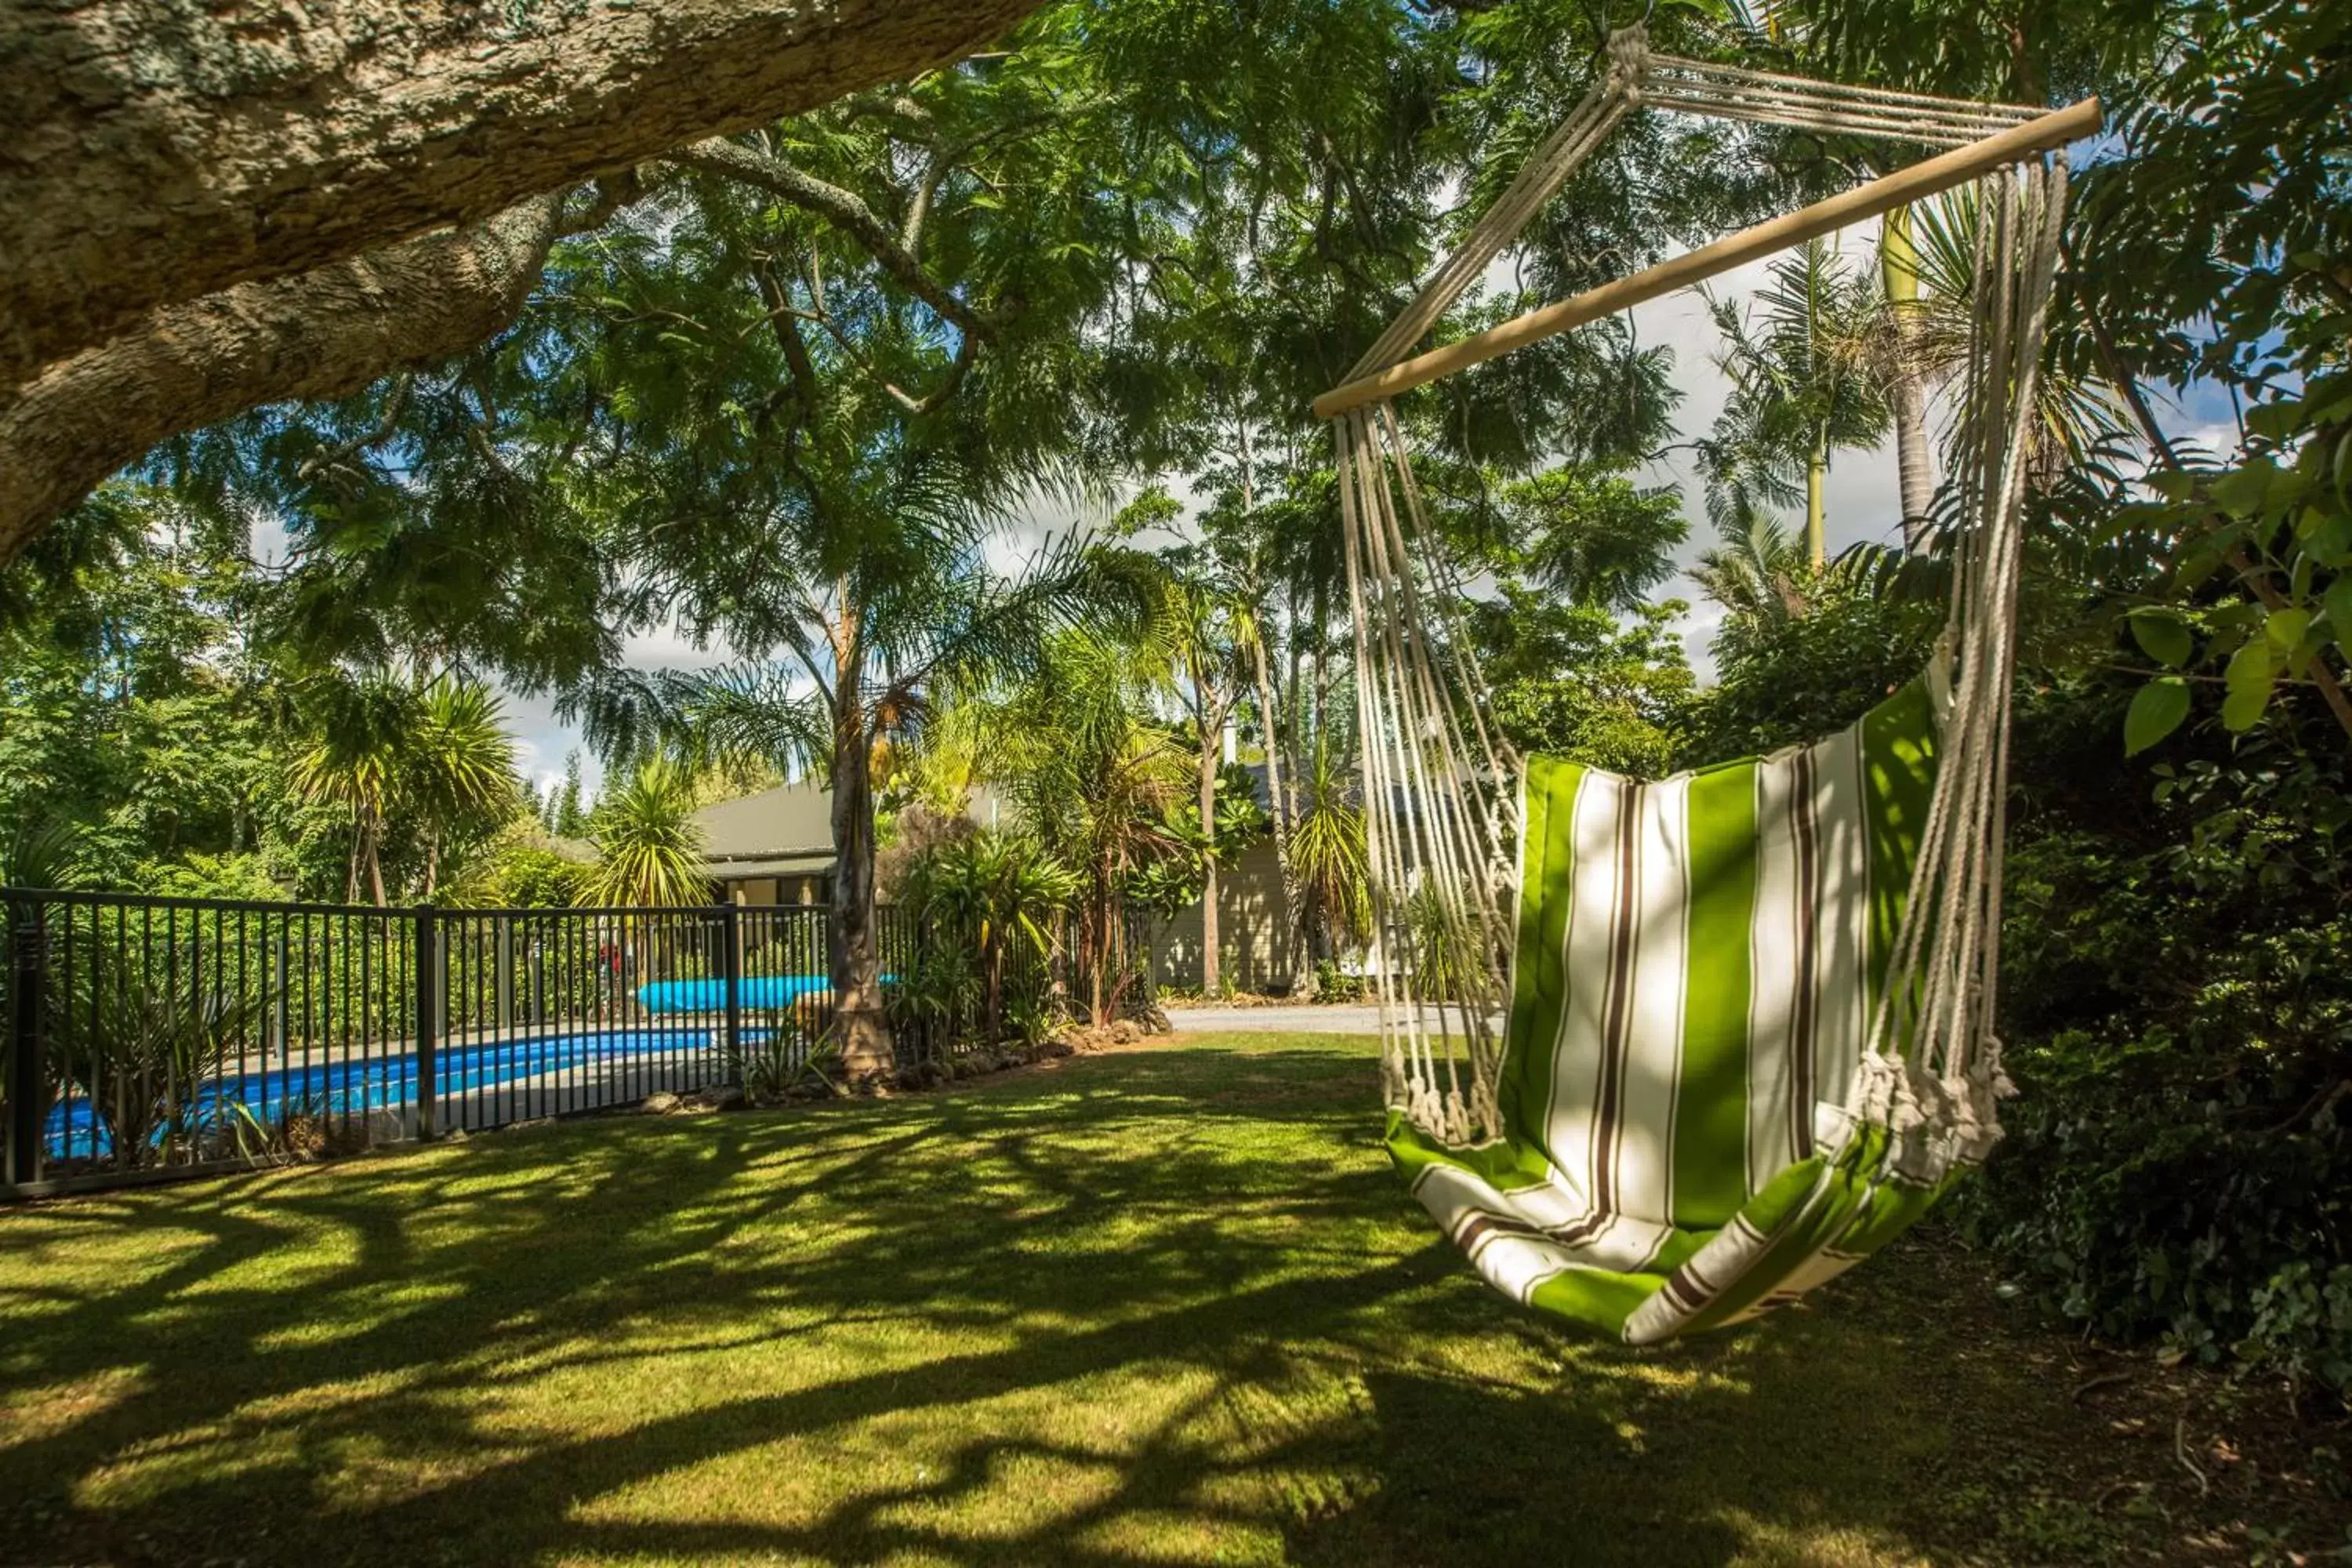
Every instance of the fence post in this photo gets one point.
(28, 990)
(502, 959)
(731, 962)
(429, 1026)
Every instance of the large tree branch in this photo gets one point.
(153, 151)
(325, 334)
(846, 212)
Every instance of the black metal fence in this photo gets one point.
(148, 1036)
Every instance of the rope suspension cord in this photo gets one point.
(1442, 821)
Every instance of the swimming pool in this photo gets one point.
(554, 1073)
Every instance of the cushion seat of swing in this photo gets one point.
(1695, 968)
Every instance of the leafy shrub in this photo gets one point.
(2178, 1017)
(1331, 984)
(989, 908)
(2176, 1001)
(1803, 677)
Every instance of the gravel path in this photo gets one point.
(1343, 1019)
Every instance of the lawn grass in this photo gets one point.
(1165, 1305)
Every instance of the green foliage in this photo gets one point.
(1331, 986)
(1592, 537)
(1804, 385)
(1329, 862)
(141, 1051)
(250, 878)
(2180, 1026)
(2220, 250)
(648, 845)
(518, 869)
(1798, 677)
(429, 756)
(1574, 681)
(566, 816)
(989, 908)
(1075, 748)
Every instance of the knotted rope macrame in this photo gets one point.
(1442, 825)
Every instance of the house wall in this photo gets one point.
(1252, 933)
(766, 890)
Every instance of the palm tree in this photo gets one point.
(893, 621)
(435, 753)
(357, 765)
(458, 767)
(1330, 864)
(1221, 652)
(1096, 776)
(1908, 381)
(1758, 575)
(1803, 384)
(649, 847)
(2075, 404)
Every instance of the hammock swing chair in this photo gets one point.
(1660, 1057)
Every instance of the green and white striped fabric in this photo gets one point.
(1696, 970)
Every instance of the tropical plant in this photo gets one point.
(1098, 779)
(145, 1057)
(998, 900)
(1329, 861)
(1803, 387)
(458, 773)
(356, 765)
(649, 847)
(1757, 576)
(434, 756)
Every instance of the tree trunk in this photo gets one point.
(1097, 941)
(1288, 930)
(1211, 979)
(322, 334)
(1817, 469)
(868, 1054)
(374, 842)
(157, 152)
(1898, 263)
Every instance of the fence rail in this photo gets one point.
(148, 1036)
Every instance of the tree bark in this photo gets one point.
(1288, 931)
(153, 151)
(1898, 261)
(1211, 722)
(1817, 469)
(325, 334)
(869, 1053)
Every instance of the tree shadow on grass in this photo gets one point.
(1149, 1306)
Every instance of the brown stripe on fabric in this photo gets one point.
(1482, 1225)
(1801, 1027)
(1687, 1288)
(1485, 1227)
(1618, 1011)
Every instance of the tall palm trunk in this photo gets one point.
(1211, 979)
(1898, 263)
(1286, 932)
(869, 1053)
(1817, 469)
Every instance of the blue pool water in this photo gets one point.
(354, 1086)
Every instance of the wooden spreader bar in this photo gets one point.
(1884, 194)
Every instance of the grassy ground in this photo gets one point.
(1160, 1306)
